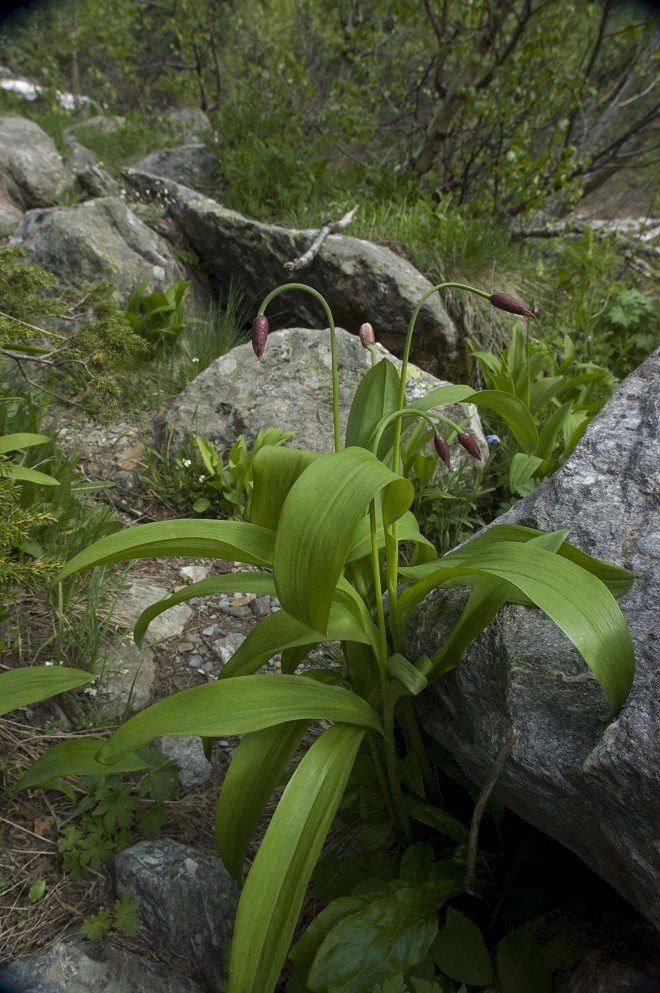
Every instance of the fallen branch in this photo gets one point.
(329, 227)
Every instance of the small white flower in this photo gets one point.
(202, 478)
(49, 662)
(194, 359)
(186, 462)
(91, 690)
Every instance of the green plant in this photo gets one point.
(123, 917)
(233, 481)
(158, 317)
(111, 814)
(326, 531)
(213, 333)
(562, 394)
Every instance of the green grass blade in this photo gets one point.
(256, 768)
(238, 706)
(275, 888)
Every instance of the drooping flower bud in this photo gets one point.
(442, 448)
(260, 328)
(503, 301)
(469, 444)
(367, 336)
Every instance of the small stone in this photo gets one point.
(225, 647)
(195, 662)
(193, 573)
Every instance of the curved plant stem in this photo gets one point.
(333, 346)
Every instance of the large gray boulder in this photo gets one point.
(187, 899)
(593, 786)
(99, 239)
(31, 169)
(193, 165)
(360, 280)
(291, 388)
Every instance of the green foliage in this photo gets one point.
(213, 333)
(123, 917)
(159, 317)
(563, 396)
(111, 815)
(233, 482)
(326, 530)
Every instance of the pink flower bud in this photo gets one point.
(367, 336)
(469, 444)
(512, 306)
(536, 311)
(259, 334)
(442, 448)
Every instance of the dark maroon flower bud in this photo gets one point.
(259, 334)
(442, 448)
(512, 306)
(469, 444)
(367, 336)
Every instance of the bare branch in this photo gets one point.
(328, 228)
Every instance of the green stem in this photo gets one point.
(393, 545)
(333, 346)
(378, 593)
(411, 725)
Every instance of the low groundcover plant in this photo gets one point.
(327, 534)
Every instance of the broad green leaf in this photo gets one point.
(234, 582)
(21, 439)
(521, 473)
(521, 966)
(274, 471)
(514, 412)
(304, 951)
(461, 952)
(75, 757)
(279, 632)
(275, 888)
(27, 475)
(375, 397)
(408, 531)
(444, 396)
(317, 524)
(438, 819)
(405, 672)
(574, 599)
(238, 706)
(391, 934)
(232, 540)
(256, 769)
(21, 687)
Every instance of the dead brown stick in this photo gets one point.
(329, 227)
(481, 806)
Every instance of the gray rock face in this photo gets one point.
(100, 239)
(187, 899)
(290, 387)
(193, 165)
(77, 966)
(31, 169)
(594, 787)
(360, 280)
